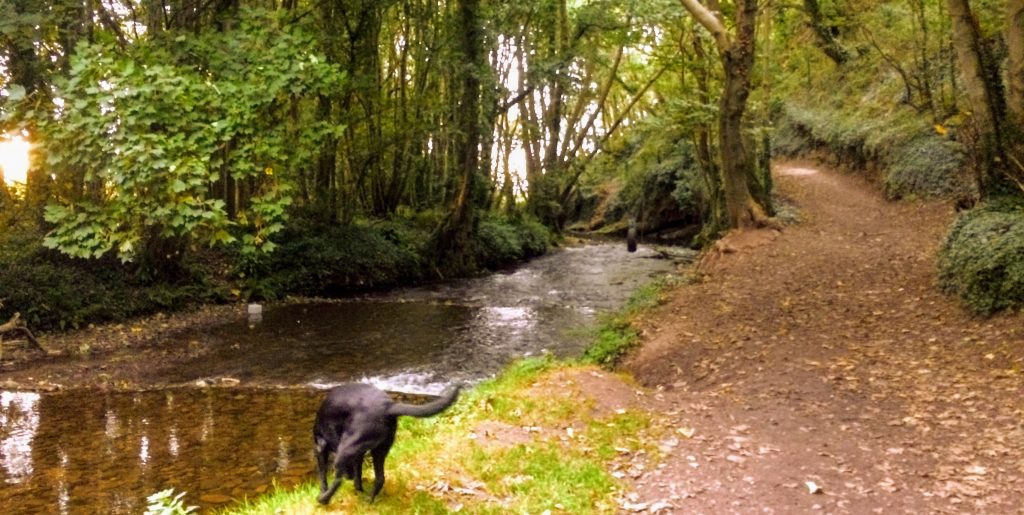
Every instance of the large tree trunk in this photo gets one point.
(981, 93)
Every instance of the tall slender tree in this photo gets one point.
(736, 51)
(454, 237)
(1015, 61)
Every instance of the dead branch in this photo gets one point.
(16, 324)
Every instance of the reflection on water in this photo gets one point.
(94, 452)
(19, 421)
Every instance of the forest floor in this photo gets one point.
(820, 369)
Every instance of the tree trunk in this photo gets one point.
(981, 95)
(1015, 61)
(15, 324)
(737, 56)
(825, 32)
(713, 215)
(453, 243)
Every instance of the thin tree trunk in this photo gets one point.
(1015, 61)
(453, 242)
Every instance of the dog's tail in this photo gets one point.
(429, 409)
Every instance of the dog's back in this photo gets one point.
(341, 405)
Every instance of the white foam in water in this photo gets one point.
(415, 383)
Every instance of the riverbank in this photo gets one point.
(543, 437)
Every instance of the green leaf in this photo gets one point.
(15, 93)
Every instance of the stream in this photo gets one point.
(84, 451)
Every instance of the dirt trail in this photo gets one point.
(825, 354)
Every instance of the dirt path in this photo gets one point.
(826, 355)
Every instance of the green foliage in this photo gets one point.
(166, 503)
(982, 259)
(500, 242)
(659, 180)
(54, 291)
(928, 166)
(142, 133)
(327, 259)
(912, 158)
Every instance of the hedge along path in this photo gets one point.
(820, 368)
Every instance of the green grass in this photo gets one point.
(616, 333)
(545, 471)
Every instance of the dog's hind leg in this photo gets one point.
(344, 460)
(321, 451)
(379, 454)
(356, 473)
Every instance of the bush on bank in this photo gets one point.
(982, 259)
(53, 291)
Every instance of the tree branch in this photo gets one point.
(16, 324)
(708, 19)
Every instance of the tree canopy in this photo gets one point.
(163, 124)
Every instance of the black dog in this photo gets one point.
(358, 418)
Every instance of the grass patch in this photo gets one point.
(433, 457)
(616, 334)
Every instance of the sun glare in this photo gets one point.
(14, 158)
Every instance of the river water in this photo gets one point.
(91, 452)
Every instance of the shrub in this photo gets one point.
(535, 237)
(982, 259)
(315, 258)
(927, 166)
(501, 242)
(53, 291)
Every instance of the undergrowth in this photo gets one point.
(982, 259)
(56, 292)
(911, 158)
